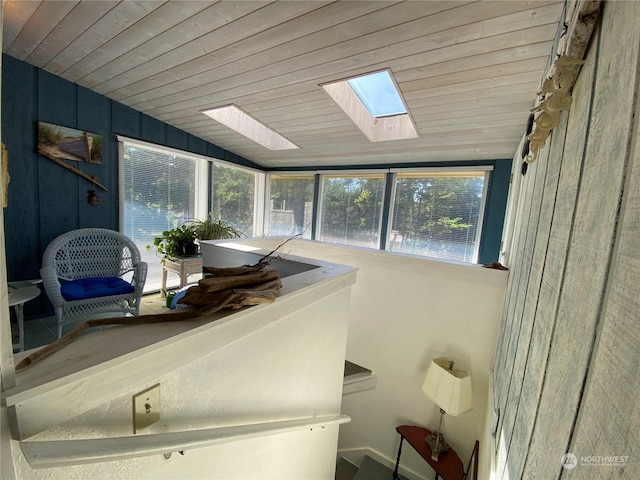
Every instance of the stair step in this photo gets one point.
(345, 470)
(357, 378)
(370, 469)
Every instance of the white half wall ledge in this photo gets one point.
(59, 453)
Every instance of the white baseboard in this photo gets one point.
(356, 456)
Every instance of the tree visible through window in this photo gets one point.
(233, 196)
(351, 209)
(291, 205)
(438, 214)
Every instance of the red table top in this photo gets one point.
(449, 466)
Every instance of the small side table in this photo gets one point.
(449, 465)
(183, 266)
(17, 298)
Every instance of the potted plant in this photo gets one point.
(176, 242)
(213, 229)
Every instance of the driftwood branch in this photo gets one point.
(42, 150)
(139, 320)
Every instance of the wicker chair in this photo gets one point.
(92, 272)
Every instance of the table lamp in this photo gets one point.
(450, 389)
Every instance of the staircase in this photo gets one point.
(357, 379)
(368, 470)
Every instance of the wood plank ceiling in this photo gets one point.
(468, 70)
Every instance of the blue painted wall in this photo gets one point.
(45, 199)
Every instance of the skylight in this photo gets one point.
(378, 93)
(243, 123)
(374, 103)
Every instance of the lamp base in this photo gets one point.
(437, 444)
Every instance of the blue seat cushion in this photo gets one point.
(84, 288)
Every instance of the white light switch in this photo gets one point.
(146, 408)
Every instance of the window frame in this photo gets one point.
(342, 174)
(266, 218)
(488, 169)
(258, 192)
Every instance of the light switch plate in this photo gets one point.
(146, 408)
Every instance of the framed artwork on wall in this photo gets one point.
(57, 142)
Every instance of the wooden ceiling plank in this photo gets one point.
(543, 14)
(483, 151)
(115, 21)
(287, 40)
(520, 106)
(316, 137)
(287, 96)
(365, 53)
(41, 22)
(358, 28)
(276, 75)
(523, 102)
(506, 61)
(205, 47)
(15, 17)
(488, 96)
(320, 101)
(68, 29)
(535, 64)
(158, 54)
(523, 83)
(487, 83)
(147, 28)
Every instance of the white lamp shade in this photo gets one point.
(449, 389)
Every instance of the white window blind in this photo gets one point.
(438, 213)
(159, 190)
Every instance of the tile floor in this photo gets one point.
(41, 331)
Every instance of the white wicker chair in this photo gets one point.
(92, 253)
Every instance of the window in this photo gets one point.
(290, 209)
(378, 93)
(234, 193)
(159, 189)
(237, 119)
(374, 104)
(351, 207)
(438, 214)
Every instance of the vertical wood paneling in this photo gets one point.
(589, 248)
(125, 120)
(197, 145)
(581, 290)
(520, 296)
(177, 138)
(21, 219)
(94, 115)
(520, 434)
(57, 187)
(609, 419)
(552, 275)
(153, 130)
(514, 277)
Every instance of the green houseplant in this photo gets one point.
(178, 241)
(213, 229)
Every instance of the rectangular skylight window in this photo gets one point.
(243, 123)
(379, 94)
(375, 104)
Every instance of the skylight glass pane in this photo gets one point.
(243, 123)
(378, 93)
